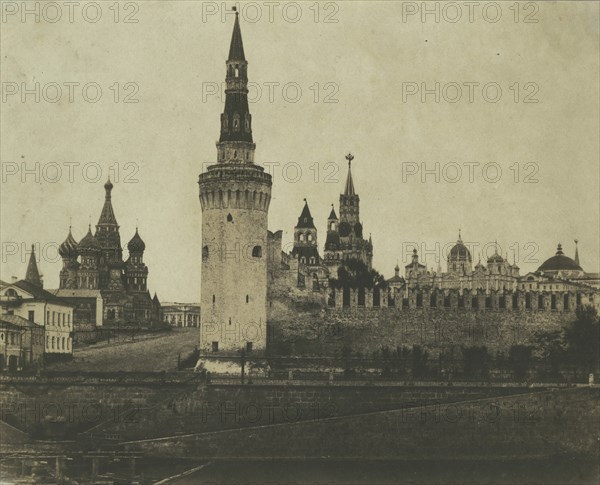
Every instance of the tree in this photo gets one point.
(356, 274)
(419, 361)
(519, 358)
(583, 338)
(550, 346)
(476, 361)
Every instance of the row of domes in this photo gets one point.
(70, 247)
(558, 262)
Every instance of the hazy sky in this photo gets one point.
(367, 61)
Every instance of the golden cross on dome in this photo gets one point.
(349, 157)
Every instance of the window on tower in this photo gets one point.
(257, 252)
(229, 218)
(236, 122)
(205, 253)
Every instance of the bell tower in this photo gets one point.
(234, 195)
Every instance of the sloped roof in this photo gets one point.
(39, 293)
(18, 321)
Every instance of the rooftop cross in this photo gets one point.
(349, 157)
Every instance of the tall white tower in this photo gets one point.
(234, 195)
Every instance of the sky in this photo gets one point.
(508, 152)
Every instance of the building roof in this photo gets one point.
(306, 252)
(76, 293)
(559, 262)
(305, 221)
(39, 293)
(19, 321)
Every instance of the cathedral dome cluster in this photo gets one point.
(94, 268)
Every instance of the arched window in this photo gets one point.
(214, 299)
(332, 226)
(257, 252)
(247, 298)
(247, 123)
(229, 218)
(205, 253)
(63, 343)
(53, 340)
(236, 122)
(309, 237)
(237, 71)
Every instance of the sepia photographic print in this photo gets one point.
(300, 242)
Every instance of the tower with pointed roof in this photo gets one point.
(345, 237)
(136, 271)
(305, 239)
(234, 196)
(33, 275)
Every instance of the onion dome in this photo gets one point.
(459, 251)
(89, 242)
(69, 247)
(559, 262)
(136, 245)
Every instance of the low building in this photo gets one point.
(181, 314)
(27, 299)
(23, 341)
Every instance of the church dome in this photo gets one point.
(136, 245)
(89, 242)
(68, 247)
(459, 252)
(559, 262)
